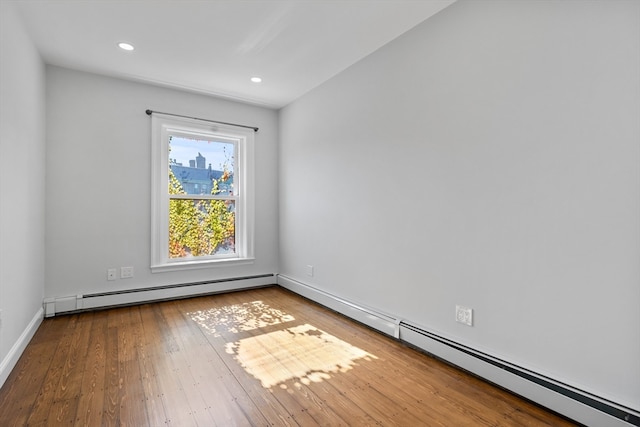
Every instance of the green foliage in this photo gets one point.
(199, 227)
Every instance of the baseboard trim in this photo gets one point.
(373, 318)
(77, 303)
(11, 359)
(561, 398)
(564, 399)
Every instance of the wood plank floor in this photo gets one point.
(263, 357)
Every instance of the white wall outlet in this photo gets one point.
(464, 315)
(111, 274)
(126, 272)
(310, 270)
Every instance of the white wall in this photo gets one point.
(99, 181)
(488, 158)
(22, 178)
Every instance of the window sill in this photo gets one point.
(192, 265)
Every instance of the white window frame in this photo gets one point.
(162, 127)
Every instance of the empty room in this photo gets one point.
(320, 212)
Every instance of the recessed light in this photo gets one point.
(256, 79)
(125, 46)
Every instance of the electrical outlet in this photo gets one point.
(126, 272)
(464, 315)
(111, 274)
(310, 270)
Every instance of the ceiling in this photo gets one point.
(216, 46)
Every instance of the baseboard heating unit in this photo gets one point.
(64, 305)
(575, 404)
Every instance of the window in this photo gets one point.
(202, 204)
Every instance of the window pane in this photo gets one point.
(201, 227)
(201, 166)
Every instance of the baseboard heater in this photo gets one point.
(577, 404)
(67, 305)
(373, 318)
(571, 402)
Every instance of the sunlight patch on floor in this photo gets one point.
(239, 317)
(302, 353)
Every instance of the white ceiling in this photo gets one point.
(216, 46)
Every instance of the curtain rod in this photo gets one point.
(255, 129)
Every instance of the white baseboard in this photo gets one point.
(16, 351)
(373, 318)
(66, 304)
(575, 404)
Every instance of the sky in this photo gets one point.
(216, 153)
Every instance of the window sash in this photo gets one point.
(202, 197)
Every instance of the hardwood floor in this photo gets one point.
(253, 358)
